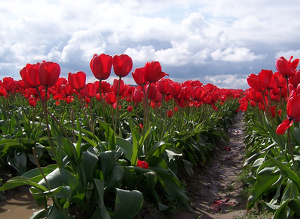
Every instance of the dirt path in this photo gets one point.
(218, 182)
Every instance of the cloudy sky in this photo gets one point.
(219, 41)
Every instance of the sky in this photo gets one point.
(220, 42)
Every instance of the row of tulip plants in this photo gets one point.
(98, 150)
(272, 105)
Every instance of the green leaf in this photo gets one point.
(296, 134)
(61, 177)
(87, 166)
(281, 212)
(109, 135)
(154, 155)
(39, 214)
(19, 161)
(114, 178)
(188, 167)
(20, 181)
(147, 181)
(14, 143)
(172, 186)
(35, 174)
(107, 162)
(128, 204)
(101, 212)
(126, 147)
(279, 139)
(262, 185)
(287, 171)
(294, 204)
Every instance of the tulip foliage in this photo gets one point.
(98, 150)
(272, 105)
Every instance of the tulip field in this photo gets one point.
(98, 150)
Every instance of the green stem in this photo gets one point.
(44, 177)
(47, 124)
(87, 119)
(291, 151)
(117, 112)
(101, 102)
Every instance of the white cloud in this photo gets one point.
(235, 54)
(87, 43)
(228, 81)
(288, 54)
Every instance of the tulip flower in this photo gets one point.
(48, 73)
(254, 81)
(139, 76)
(293, 113)
(110, 98)
(286, 67)
(77, 80)
(122, 65)
(115, 87)
(89, 90)
(137, 95)
(9, 84)
(267, 79)
(163, 86)
(2, 92)
(175, 89)
(153, 71)
(129, 108)
(30, 75)
(152, 91)
(101, 66)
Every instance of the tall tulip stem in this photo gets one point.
(117, 112)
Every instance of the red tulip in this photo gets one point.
(170, 113)
(101, 66)
(9, 84)
(295, 79)
(184, 93)
(158, 97)
(293, 113)
(77, 80)
(115, 87)
(163, 86)
(152, 91)
(139, 76)
(293, 107)
(122, 65)
(280, 80)
(153, 71)
(2, 92)
(286, 67)
(267, 79)
(254, 81)
(32, 101)
(89, 90)
(175, 89)
(129, 108)
(137, 95)
(48, 73)
(197, 93)
(110, 98)
(30, 75)
(142, 164)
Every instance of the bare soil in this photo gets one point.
(215, 191)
